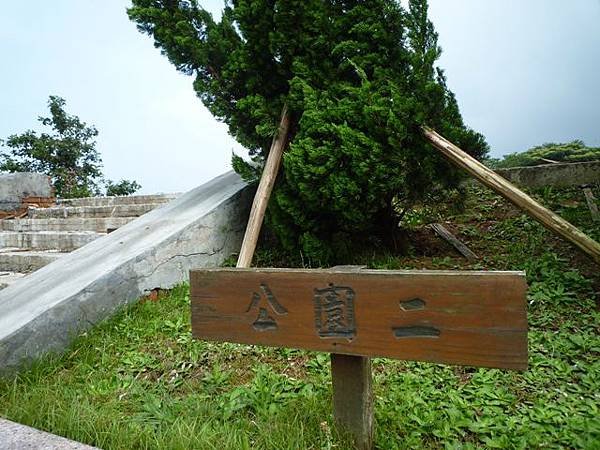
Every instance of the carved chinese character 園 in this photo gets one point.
(416, 331)
(264, 301)
(334, 312)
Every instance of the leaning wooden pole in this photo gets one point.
(494, 181)
(263, 193)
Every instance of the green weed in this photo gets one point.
(139, 380)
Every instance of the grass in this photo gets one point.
(138, 380)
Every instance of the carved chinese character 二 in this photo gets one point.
(334, 312)
(415, 331)
(263, 301)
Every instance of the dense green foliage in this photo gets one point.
(68, 155)
(359, 78)
(123, 187)
(139, 380)
(575, 151)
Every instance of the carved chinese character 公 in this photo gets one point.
(334, 312)
(262, 301)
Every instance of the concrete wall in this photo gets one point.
(43, 311)
(556, 175)
(14, 187)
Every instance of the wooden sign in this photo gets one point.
(468, 318)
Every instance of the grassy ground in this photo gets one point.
(140, 381)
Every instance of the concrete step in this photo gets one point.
(116, 201)
(96, 224)
(64, 241)
(88, 212)
(25, 261)
(8, 278)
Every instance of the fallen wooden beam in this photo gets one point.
(551, 161)
(494, 181)
(443, 232)
(263, 193)
(591, 202)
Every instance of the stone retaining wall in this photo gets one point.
(555, 175)
(19, 190)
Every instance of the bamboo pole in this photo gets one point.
(263, 193)
(494, 181)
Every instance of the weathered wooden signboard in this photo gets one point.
(468, 318)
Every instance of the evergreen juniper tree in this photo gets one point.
(359, 79)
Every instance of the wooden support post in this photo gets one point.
(443, 232)
(591, 202)
(263, 193)
(494, 181)
(353, 397)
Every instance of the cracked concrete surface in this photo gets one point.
(42, 312)
(14, 436)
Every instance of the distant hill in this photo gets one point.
(575, 151)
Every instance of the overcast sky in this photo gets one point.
(525, 72)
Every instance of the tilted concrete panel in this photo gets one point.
(14, 436)
(45, 310)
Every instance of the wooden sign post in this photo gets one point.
(469, 318)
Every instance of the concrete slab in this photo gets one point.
(26, 261)
(14, 436)
(114, 201)
(43, 311)
(91, 211)
(64, 241)
(98, 225)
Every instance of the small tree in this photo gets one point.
(123, 187)
(359, 79)
(68, 154)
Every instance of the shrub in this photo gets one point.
(359, 80)
(575, 151)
